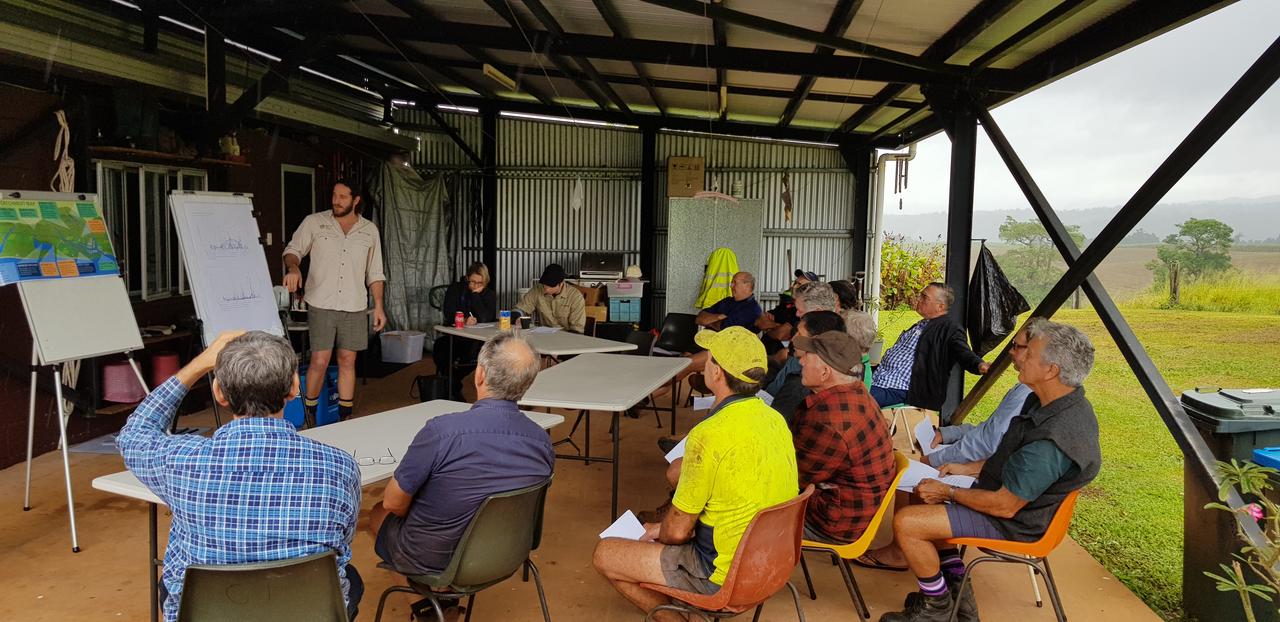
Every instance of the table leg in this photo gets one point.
(154, 563)
(617, 425)
(449, 366)
(586, 453)
(673, 404)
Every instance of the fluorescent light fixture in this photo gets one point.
(251, 50)
(403, 103)
(764, 139)
(453, 108)
(553, 119)
(499, 77)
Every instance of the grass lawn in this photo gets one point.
(1130, 518)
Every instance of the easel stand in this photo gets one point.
(63, 417)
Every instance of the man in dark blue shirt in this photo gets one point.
(458, 460)
(740, 309)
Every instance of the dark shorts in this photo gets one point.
(813, 533)
(387, 546)
(344, 330)
(684, 570)
(968, 523)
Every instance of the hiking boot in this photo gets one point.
(666, 444)
(967, 607)
(922, 609)
(968, 610)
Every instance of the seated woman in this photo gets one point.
(477, 302)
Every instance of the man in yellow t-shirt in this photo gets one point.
(737, 461)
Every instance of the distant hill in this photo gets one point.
(1252, 219)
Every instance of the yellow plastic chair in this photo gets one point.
(841, 554)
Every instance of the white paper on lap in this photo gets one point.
(919, 471)
(627, 527)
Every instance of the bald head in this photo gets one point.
(506, 368)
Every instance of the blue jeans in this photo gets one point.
(888, 397)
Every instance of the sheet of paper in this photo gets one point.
(627, 527)
(765, 397)
(677, 451)
(483, 325)
(544, 329)
(924, 435)
(918, 471)
(704, 402)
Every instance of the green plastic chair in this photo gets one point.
(304, 588)
(496, 544)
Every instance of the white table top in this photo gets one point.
(370, 436)
(558, 343)
(610, 382)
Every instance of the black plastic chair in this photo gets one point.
(302, 588)
(496, 544)
(676, 335)
(643, 341)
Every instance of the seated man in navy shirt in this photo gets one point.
(458, 460)
(739, 309)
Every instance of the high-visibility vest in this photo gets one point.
(721, 266)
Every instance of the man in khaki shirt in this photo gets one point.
(556, 302)
(346, 266)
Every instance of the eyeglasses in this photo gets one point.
(476, 281)
(370, 461)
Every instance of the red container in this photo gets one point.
(458, 320)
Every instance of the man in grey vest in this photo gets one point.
(1048, 451)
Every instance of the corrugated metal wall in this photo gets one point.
(539, 163)
(822, 191)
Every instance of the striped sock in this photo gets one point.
(344, 409)
(932, 586)
(952, 563)
(311, 402)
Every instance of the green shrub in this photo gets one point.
(1231, 292)
(906, 267)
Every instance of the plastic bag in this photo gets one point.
(994, 304)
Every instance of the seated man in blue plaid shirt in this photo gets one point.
(255, 491)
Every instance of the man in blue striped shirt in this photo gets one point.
(255, 491)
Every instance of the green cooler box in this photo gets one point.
(1233, 422)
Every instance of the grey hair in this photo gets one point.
(1064, 346)
(749, 278)
(255, 372)
(942, 294)
(817, 296)
(510, 365)
(861, 327)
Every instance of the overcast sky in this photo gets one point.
(1092, 138)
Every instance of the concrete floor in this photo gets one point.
(43, 580)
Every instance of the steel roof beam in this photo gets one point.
(619, 27)
(841, 17)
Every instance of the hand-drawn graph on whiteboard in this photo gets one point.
(225, 263)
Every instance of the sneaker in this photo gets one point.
(666, 444)
(654, 516)
(922, 609)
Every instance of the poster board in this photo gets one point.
(53, 235)
(226, 265)
(699, 226)
(81, 318)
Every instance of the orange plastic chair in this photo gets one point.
(766, 556)
(843, 553)
(1035, 555)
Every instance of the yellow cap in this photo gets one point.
(735, 350)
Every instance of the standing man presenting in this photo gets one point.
(346, 266)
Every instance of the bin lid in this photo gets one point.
(1234, 410)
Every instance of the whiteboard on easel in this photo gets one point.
(227, 268)
(79, 318)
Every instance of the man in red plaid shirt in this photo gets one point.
(843, 445)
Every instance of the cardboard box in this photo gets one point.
(599, 312)
(591, 294)
(686, 176)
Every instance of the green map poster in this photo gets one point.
(51, 239)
